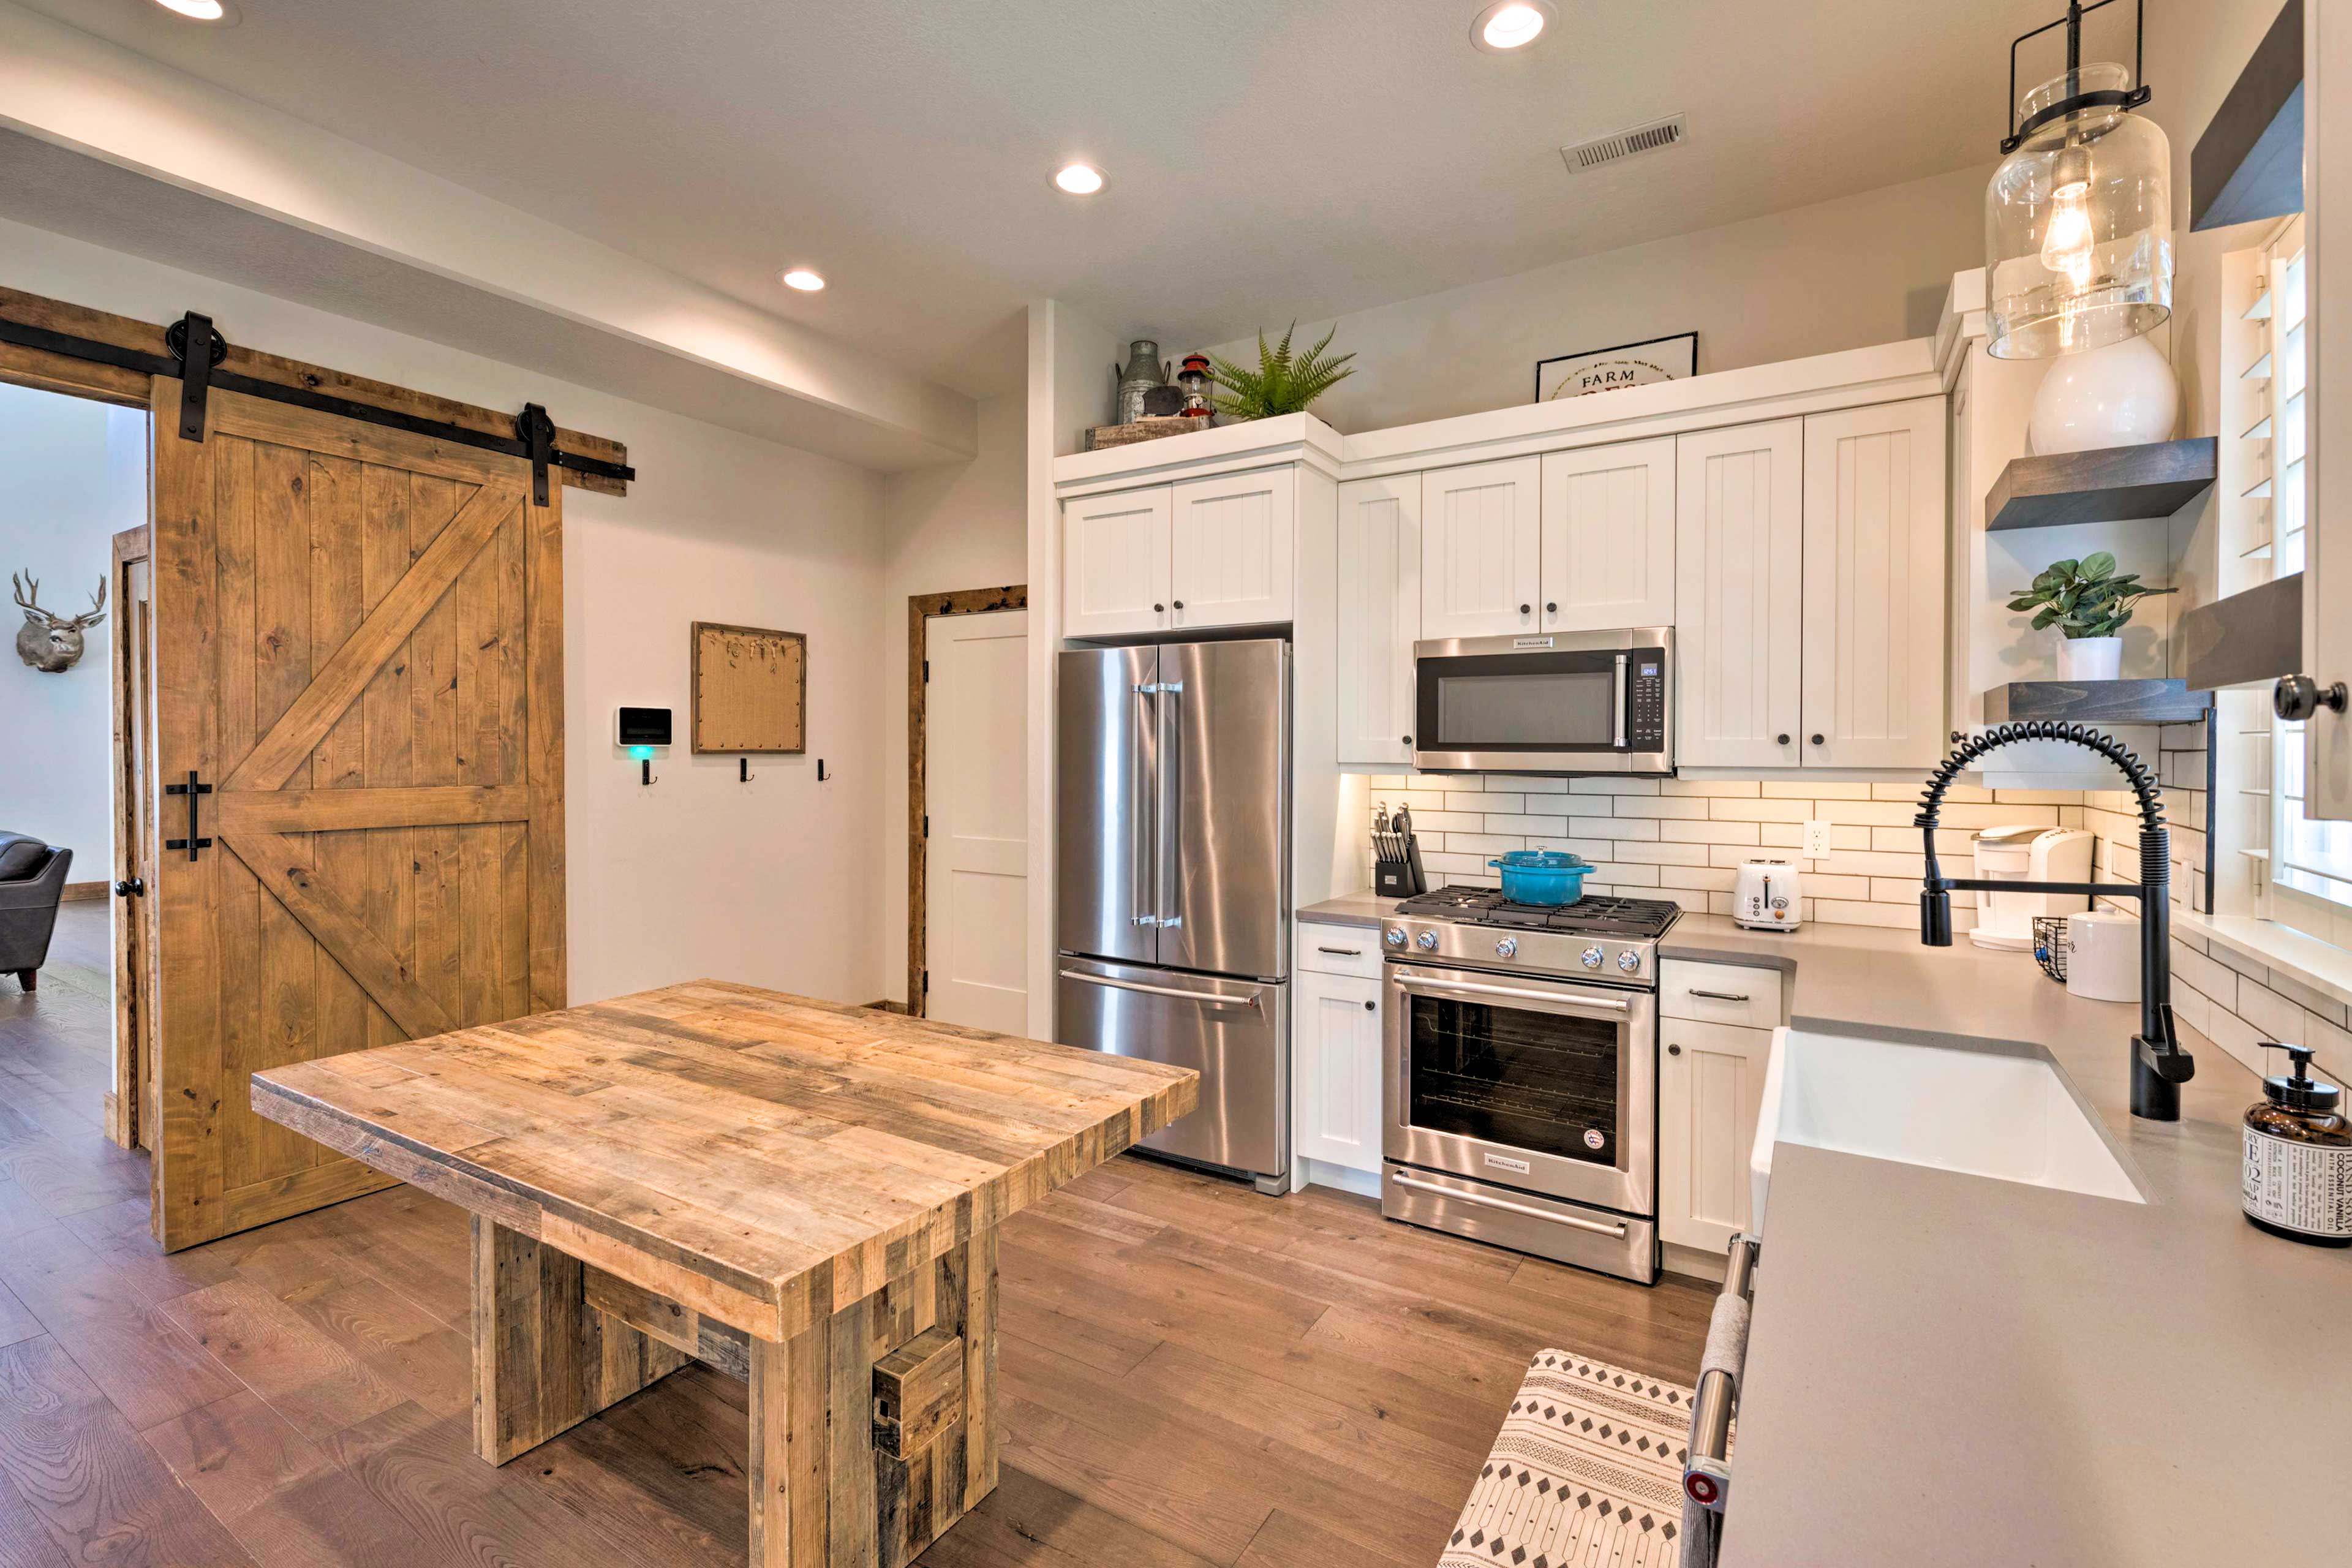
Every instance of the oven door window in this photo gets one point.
(1517, 1078)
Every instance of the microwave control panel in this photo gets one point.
(1645, 700)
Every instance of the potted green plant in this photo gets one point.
(1282, 383)
(2089, 602)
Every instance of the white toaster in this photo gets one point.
(1769, 895)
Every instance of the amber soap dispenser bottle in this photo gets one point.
(2298, 1172)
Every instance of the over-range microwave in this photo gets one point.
(1547, 702)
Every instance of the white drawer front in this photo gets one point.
(1720, 994)
(1339, 950)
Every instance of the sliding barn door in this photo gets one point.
(359, 670)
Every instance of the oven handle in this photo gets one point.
(1621, 703)
(1609, 1004)
(1529, 1210)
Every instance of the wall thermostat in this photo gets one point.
(642, 726)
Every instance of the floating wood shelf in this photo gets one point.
(2115, 484)
(2254, 635)
(2248, 164)
(2097, 702)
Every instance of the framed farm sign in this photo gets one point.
(751, 689)
(1627, 364)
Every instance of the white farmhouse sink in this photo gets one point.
(1986, 1110)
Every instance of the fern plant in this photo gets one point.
(2085, 598)
(1283, 383)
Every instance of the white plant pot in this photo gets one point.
(2123, 394)
(2090, 658)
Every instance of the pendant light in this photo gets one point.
(2078, 219)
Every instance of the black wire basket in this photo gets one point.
(2051, 944)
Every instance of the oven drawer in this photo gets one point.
(1719, 993)
(1339, 950)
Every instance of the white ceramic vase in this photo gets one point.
(2120, 396)
(2090, 658)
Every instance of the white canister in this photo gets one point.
(2104, 965)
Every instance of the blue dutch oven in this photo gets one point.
(1544, 877)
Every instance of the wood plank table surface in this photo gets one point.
(799, 1192)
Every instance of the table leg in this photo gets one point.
(838, 1481)
(545, 1361)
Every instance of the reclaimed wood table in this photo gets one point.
(803, 1195)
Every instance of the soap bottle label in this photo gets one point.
(2298, 1186)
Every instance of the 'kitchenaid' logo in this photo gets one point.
(1504, 1163)
(1531, 642)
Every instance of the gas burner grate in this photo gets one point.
(1594, 916)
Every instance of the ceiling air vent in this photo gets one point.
(1656, 136)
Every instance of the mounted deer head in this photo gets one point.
(50, 643)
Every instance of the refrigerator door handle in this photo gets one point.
(1171, 806)
(1254, 1001)
(1142, 874)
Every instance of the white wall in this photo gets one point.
(773, 882)
(1864, 269)
(957, 526)
(76, 474)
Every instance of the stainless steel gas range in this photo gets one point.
(1521, 1091)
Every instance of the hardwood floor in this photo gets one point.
(1193, 1374)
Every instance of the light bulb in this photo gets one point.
(1512, 27)
(2066, 243)
(1079, 179)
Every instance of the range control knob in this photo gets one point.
(1507, 948)
(1395, 937)
(1592, 956)
(1428, 941)
(1629, 960)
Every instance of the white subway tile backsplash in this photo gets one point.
(1461, 800)
(1728, 789)
(1684, 832)
(1613, 787)
(1665, 806)
(1614, 827)
(1766, 810)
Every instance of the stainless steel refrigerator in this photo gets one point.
(1173, 881)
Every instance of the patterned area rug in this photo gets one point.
(1587, 1469)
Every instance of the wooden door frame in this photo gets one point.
(920, 609)
(127, 1100)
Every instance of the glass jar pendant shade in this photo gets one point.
(2078, 224)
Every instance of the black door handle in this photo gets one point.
(192, 789)
(1525, 609)
(1817, 740)
(1551, 608)
(132, 889)
(1783, 739)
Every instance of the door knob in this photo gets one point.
(132, 889)
(2299, 696)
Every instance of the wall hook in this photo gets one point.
(743, 770)
(820, 770)
(644, 770)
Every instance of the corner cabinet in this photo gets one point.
(1810, 596)
(1377, 616)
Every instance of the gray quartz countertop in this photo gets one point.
(1949, 1369)
(1364, 909)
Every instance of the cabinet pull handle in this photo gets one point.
(1817, 740)
(1343, 951)
(1179, 603)
(1526, 609)
(1783, 738)
(1674, 1050)
(1552, 607)
(1159, 609)
(1720, 995)
(1406, 739)
(1371, 1006)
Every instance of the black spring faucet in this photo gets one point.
(2159, 1066)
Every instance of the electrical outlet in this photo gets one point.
(1817, 839)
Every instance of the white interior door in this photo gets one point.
(975, 781)
(1609, 537)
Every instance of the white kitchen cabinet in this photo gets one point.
(1336, 1065)
(1608, 537)
(1115, 563)
(1377, 616)
(1230, 548)
(1710, 1088)
(1739, 529)
(1482, 549)
(1874, 600)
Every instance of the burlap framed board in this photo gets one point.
(751, 689)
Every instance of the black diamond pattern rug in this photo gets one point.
(1587, 1469)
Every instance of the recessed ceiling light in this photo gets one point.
(802, 279)
(1079, 179)
(1510, 24)
(215, 11)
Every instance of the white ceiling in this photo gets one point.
(1269, 159)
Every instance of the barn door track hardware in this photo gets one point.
(198, 350)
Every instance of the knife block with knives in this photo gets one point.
(1396, 856)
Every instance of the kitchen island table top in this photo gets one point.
(802, 1193)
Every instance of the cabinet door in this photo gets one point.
(1874, 567)
(1379, 616)
(1740, 595)
(1609, 537)
(1336, 1092)
(1230, 539)
(1481, 560)
(1710, 1084)
(1115, 563)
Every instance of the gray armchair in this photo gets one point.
(32, 880)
